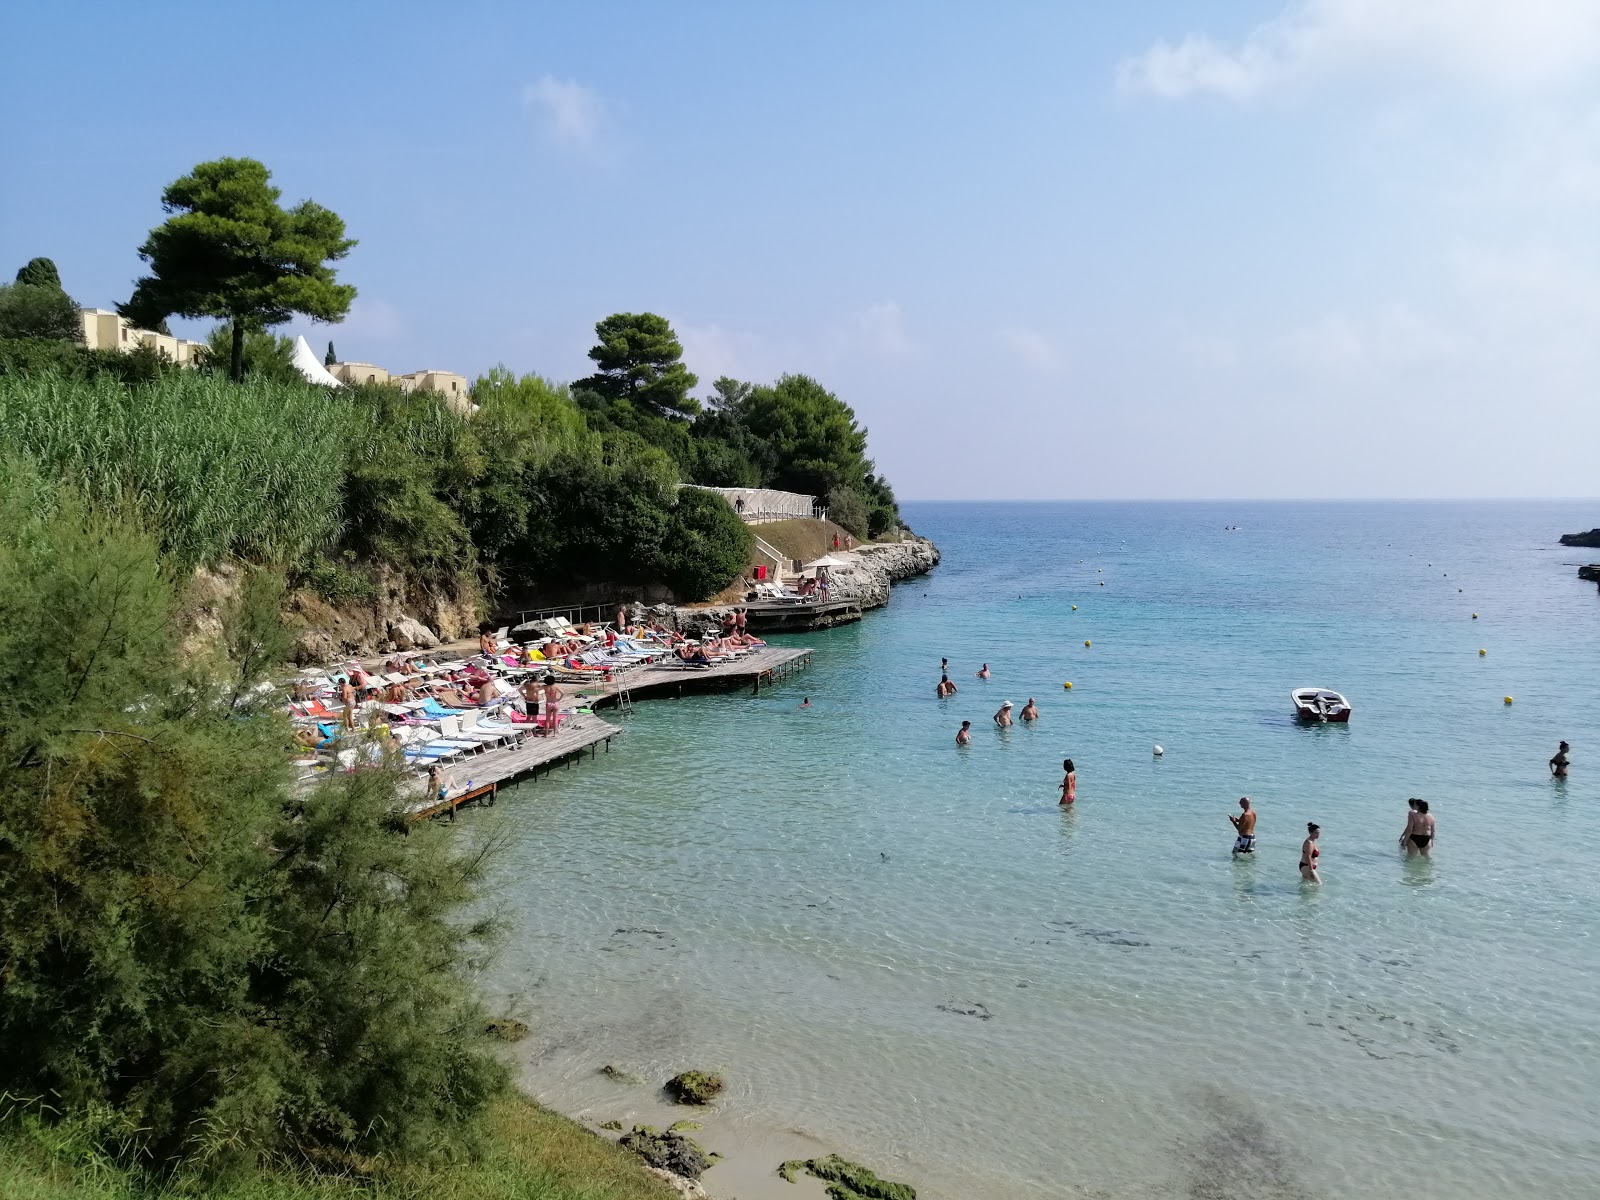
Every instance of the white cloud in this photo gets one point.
(1393, 337)
(573, 116)
(1034, 349)
(711, 351)
(880, 328)
(1490, 43)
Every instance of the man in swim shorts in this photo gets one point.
(1245, 826)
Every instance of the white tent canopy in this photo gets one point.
(310, 366)
(827, 560)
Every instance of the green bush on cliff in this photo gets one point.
(214, 968)
(706, 545)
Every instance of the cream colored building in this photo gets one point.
(448, 384)
(358, 372)
(107, 330)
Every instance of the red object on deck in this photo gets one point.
(761, 570)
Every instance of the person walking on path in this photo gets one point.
(1420, 828)
(1003, 717)
(1309, 853)
(1558, 762)
(1244, 825)
(964, 734)
(1069, 783)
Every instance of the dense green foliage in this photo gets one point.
(31, 310)
(250, 470)
(265, 356)
(640, 361)
(230, 250)
(224, 969)
(326, 484)
(40, 272)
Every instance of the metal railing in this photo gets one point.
(578, 614)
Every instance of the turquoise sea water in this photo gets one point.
(908, 951)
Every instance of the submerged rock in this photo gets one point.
(1591, 572)
(671, 1151)
(1592, 538)
(847, 1180)
(618, 1074)
(507, 1029)
(694, 1087)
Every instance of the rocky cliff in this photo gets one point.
(873, 570)
(1591, 572)
(1592, 538)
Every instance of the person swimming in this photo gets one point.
(964, 734)
(1003, 717)
(1069, 783)
(806, 703)
(1030, 710)
(1309, 853)
(1244, 825)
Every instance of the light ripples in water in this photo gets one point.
(910, 952)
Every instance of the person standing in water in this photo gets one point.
(806, 703)
(1003, 717)
(1069, 783)
(964, 734)
(1420, 826)
(1245, 826)
(983, 671)
(944, 666)
(946, 688)
(1030, 710)
(1558, 762)
(1309, 853)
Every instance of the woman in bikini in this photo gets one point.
(1069, 784)
(1418, 837)
(1309, 854)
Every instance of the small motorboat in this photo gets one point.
(1320, 704)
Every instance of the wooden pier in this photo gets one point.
(758, 669)
(489, 771)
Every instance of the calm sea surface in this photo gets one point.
(907, 950)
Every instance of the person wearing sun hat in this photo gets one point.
(1003, 717)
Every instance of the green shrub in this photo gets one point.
(29, 310)
(847, 509)
(234, 969)
(705, 547)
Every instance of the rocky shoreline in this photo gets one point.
(872, 572)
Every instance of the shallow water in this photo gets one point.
(909, 952)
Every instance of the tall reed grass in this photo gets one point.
(253, 470)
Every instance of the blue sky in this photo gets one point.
(1328, 248)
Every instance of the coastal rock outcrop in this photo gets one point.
(408, 633)
(1592, 538)
(872, 571)
(1591, 572)
(694, 1087)
(669, 1151)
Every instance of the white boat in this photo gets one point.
(1320, 704)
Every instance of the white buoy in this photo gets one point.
(1158, 750)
